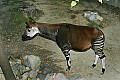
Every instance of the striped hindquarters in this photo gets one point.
(98, 44)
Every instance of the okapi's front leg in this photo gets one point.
(65, 47)
(63, 43)
(66, 52)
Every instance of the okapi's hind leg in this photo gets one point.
(97, 46)
(102, 57)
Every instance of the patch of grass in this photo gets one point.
(95, 24)
(12, 24)
(14, 20)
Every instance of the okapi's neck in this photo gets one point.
(48, 31)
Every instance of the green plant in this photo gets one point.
(95, 24)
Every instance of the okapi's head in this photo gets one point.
(31, 31)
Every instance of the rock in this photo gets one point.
(33, 74)
(17, 67)
(23, 71)
(76, 77)
(46, 69)
(41, 76)
(98, 17)
(56, 76)
(32, 61)
(93, 16)
(25, 76)
(12, 62)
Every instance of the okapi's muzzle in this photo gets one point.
(25, 38)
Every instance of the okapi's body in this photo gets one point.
(69, 37)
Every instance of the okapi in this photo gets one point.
(69, 37)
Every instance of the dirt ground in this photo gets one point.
(58, 11)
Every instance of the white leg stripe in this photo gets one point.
(103, 63)
(68, 56)
(69, 62)
(66, 50)
(96, 59)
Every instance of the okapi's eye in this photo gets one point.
(29, 30)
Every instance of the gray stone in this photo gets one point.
(93, 16)
(25, 76)
(17, 68)
(76, 77)
(56, 76)
(41, 76)
(98, 17)
(32, 61)
(33, 75)
(22, 71)
(47, 70)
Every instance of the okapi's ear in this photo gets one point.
(27, 25)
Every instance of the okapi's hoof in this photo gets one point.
(68, 68)
(94, 65)
(103, 70)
